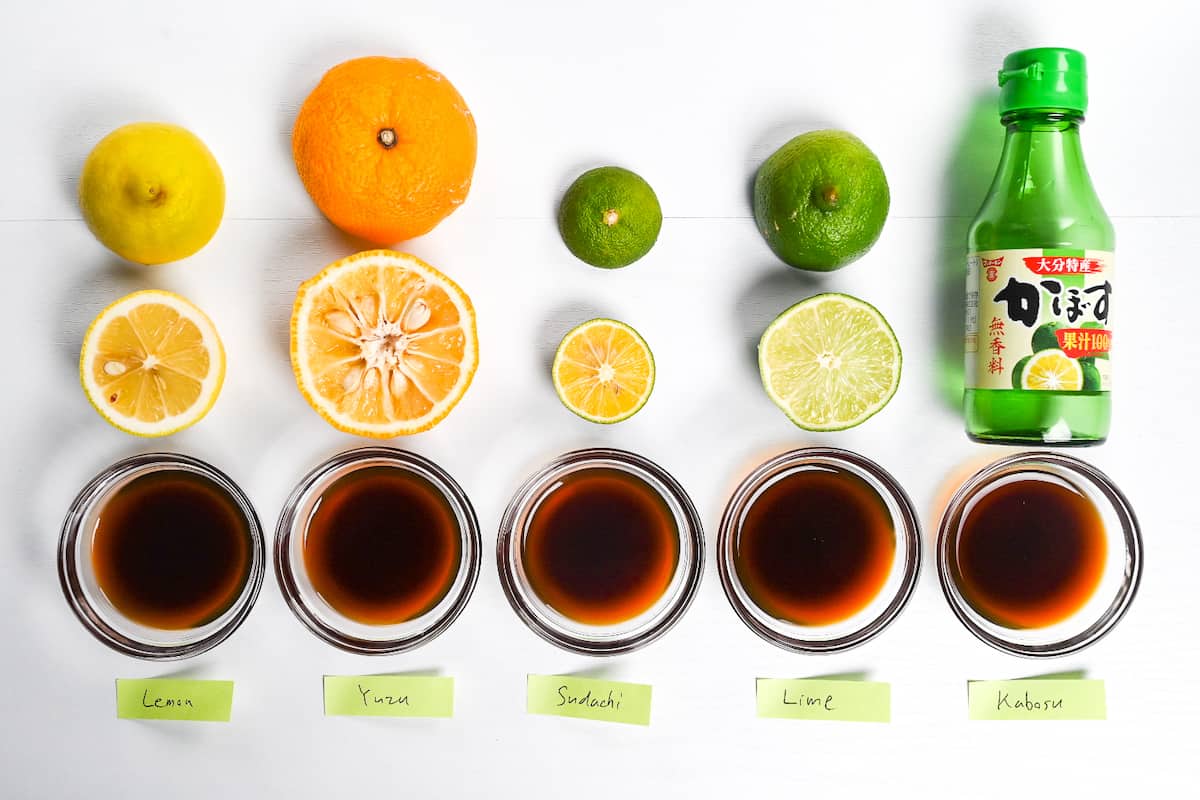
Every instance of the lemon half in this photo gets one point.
(152, 363)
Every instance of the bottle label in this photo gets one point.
(1038, 320)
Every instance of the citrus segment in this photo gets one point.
(152, 363)
(603, 371)
(830, 362)
(1052, 370)
(383, 344)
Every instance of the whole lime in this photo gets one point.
(1095, 326)
(1044, 337)
(821, 200)
(609, 217)
(1091, 376)
(1018, 370)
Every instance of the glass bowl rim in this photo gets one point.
(290, 522)
(691, 532)
(81, 508)
(909, 526)
(1131, 536)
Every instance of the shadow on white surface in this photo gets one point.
(302, 68)
(557, 322)
(775, 136)
(975, 145)
(91, 290)
(89, 116)
(52, 476)
(569, 174)
(774, 289)
(304, 249)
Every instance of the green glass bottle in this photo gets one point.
(1040, 269)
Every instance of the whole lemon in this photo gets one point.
(152, 192)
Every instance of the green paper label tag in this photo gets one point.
(389, 696)
(588, 698)
(174, 698)
(817, 698)
(1036, 698)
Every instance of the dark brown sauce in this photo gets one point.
(1030, 553)
(171, 550)
(601, 547)
(815, 547)
(383, 545)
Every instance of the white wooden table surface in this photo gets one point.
(693, 96)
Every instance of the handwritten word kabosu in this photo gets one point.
(1026, 703)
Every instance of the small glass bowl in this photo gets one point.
(88, 601)
(1118, 582)
(570, 634)
(876, 615)
(317, 614)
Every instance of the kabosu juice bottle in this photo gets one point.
(1040, 269)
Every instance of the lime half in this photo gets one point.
(830, 362)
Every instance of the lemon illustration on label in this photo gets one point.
(1052, 370)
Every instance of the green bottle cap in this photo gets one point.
(1049, 78)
